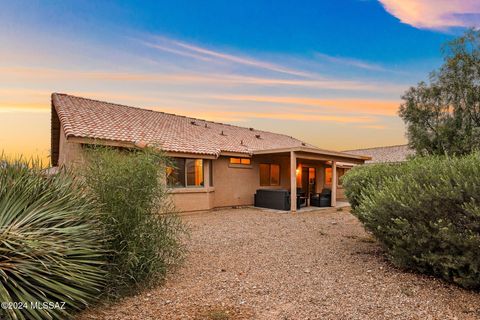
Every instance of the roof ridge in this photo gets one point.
(103, 101)
(391, 146)
(172, 114)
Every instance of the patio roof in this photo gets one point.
(317, 154)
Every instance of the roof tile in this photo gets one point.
(87, 118)
(397, 153)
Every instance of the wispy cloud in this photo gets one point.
(201, 53)
(435, 14)
(176, 51)
(351, 62)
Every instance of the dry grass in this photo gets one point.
(251, 264)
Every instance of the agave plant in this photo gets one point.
(51, 249)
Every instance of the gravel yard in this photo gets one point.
(252, 264)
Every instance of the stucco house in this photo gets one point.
(216, 164)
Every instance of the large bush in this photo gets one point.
(144, 233)
(50, 244)
(426, 213)
(358, 178)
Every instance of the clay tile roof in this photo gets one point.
(397, 153)
(86, 118)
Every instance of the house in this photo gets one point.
(216, 164)
(387, 154)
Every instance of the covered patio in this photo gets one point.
(312, 173)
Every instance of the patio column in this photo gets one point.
(293, 181)
(334, 184)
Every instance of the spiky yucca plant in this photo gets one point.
(51, 247)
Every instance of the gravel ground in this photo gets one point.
(251, 264)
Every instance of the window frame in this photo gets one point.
(202, 185)
(328, 183)
(339, 184)
(270, 184)
(233, 163)
(185, 174)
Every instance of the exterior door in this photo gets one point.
(305, 180)
(308, 180)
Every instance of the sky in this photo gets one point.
(329, 72)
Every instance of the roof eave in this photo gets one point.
(313, 150)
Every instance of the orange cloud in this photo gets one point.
(292, 115)
(38, 74)
(374, 126)
(364, 106)
(435, 14)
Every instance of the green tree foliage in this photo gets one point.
(144, 234)
(443, 116)
(51, 247)
(425, 212)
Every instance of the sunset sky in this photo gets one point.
(328, 72)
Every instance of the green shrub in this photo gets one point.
(426, 213)
(145, 235)
(358, 178)
(50, 242)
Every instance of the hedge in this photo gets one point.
(425, 212)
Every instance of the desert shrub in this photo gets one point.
(358, 178)
(51, 248)
(426, 213)
(144, 233)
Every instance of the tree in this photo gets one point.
(443, 116)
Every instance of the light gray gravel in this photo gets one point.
(251, 264)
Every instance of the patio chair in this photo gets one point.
(323, 199)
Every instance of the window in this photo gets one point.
(194, 172)
(269, 175)
(185, 173)
(241, 161)
(176, 173)
(341, 173)
(311, 175)
(328, 175)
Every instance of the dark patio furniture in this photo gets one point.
(276, 199)
(302, 198)
(272, 198)
(323, 199)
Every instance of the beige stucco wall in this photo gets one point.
(193, 199)
(232, 185)
(70, 153)
(236, 186)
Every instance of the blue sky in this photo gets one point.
(329, 72)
